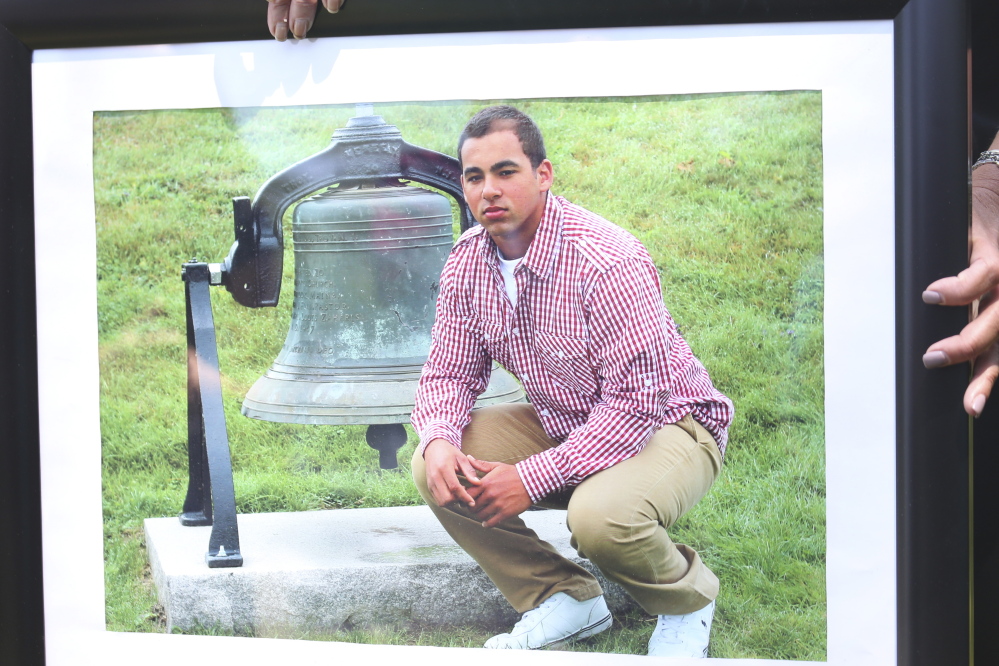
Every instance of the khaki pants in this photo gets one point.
(618, 517)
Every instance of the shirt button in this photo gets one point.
(516, 331)
(523, 378)
(544, 412)
(648, 382)
(561, 354)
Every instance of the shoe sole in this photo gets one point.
(584, 632)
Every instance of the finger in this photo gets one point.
(483, 465)
(441, 486)
(486, 511)
(485, 502)
(467, 467)
(982, 381)
(333, 6)
(445, 496)
(981, 276)
(301, 14)
(494, 521)
(277, 19)
(458, 492)
(440, 493)
(974, 339)
(496, 517)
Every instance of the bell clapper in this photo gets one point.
(387, 439)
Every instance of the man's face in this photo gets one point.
(505, 194)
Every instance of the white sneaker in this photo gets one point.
(558, 619)
(682, 635)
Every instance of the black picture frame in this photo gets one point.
(932, 110)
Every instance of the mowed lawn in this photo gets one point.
(724, 190)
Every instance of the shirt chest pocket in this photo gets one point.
(565, 360)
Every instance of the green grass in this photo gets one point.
(724, 190)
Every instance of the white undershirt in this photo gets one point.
(507, 266)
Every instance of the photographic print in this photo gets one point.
(725, 191)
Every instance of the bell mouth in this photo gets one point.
(351, 371)
(353, 396)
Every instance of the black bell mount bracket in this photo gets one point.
(367, 149)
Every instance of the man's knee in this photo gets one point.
(601, 533)
(625, 544)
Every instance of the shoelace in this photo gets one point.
(672, 632)
(669, 635)
(527, 618)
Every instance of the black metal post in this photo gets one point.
(217, 496)
(198, 503)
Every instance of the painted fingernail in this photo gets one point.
(935, 359)
(281, 31)
(978, 405)
(932, 298)
(301, 28)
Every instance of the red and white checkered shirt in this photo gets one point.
(599, 356)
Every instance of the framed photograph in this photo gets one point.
(793, 179)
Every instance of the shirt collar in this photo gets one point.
(547, 239)
(545, 245)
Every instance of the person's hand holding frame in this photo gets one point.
(977, 285)
(294, 18)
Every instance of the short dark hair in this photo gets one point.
(485, 122)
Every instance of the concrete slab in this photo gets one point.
(322, 571)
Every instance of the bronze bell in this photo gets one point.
(368, 256)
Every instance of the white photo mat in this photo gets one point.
(851, 63)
